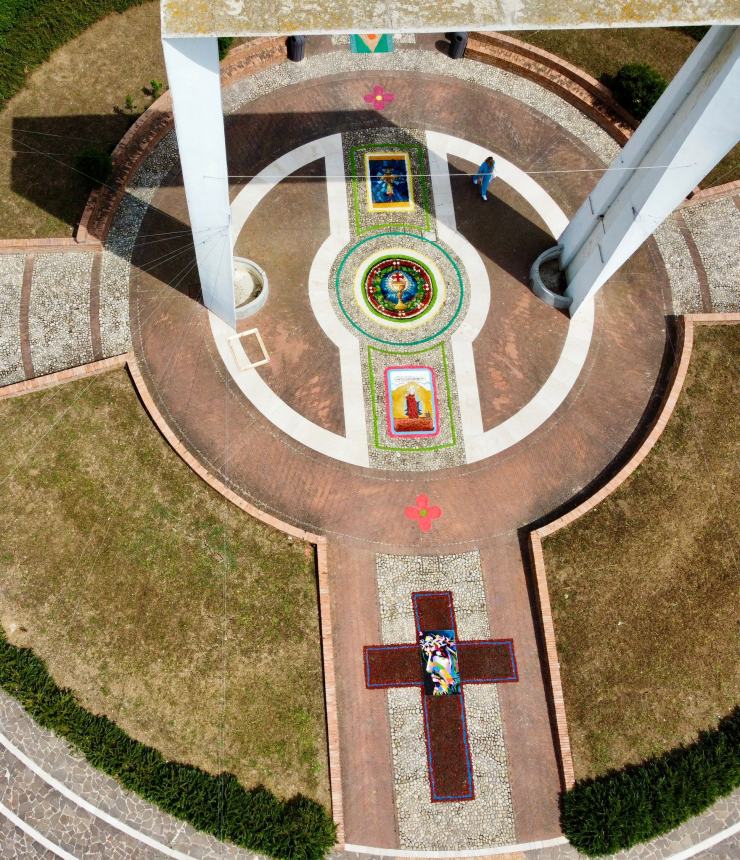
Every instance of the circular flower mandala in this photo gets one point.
(399, 288)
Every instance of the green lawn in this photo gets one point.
(191, 625)
(645, 587)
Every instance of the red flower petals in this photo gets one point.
(423, 512)
(379, 98)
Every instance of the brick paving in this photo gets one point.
(484, 506)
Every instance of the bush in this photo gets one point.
(255, 819)
(95, 165)
(30, 30)
(637, 87)
(697, 33)
(224, 46)
(617, 810)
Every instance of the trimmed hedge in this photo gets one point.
(30, 30)
(637, 87)
(255, 819)
(224, 46)
(635, 804)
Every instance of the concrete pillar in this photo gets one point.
(692, 127)
(194, 78)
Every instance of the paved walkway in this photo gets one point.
(700, 247)
(66, 309)
(52, 317)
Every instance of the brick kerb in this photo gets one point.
(728, 189)
(689, 321)
(27, 246)
(50, 380)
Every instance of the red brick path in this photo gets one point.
(485, 504)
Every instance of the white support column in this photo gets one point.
(194, 78)
(692, 127)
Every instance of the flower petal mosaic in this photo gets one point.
(402, 293)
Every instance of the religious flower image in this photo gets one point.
(439, 659)
(379, 98)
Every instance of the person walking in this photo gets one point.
(485, 174)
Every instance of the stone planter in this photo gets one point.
(250, 287)
(555, 300)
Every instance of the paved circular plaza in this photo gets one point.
(408, 397)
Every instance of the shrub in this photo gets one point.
(254, 818)
(95, 165)
(617, 810)
(224, 46)
(697, 33)
(637, 87)
(154, 90)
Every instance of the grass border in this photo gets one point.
(296, 829)
(45, 26)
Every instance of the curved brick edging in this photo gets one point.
(319, 541)
(689, 321)
(557, 75)
(727, 189)
(152, 126)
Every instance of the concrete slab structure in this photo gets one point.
(283, 17)
(693, 123)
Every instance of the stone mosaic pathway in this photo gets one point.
(51, 314)
(483, 387)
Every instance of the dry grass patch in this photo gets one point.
(603, 52)
(645, 587)
(66, 105)
(190, 624)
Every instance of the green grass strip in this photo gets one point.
(31, 30)
(613, 812)
(254, 818)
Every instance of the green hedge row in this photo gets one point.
(30, 30)
(617, 810)
(255, 819)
